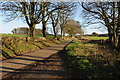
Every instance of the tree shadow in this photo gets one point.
(33, 56)
(93, 67)
(53, 49)
(41, 68)
(44, 44)
(10, 49)
(36, 45)
(4, 54)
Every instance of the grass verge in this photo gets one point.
(13, 46)
(90, 60)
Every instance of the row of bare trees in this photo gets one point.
(57, 13)
(107, 13)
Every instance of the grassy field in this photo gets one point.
(14, 35)
(96, 38)
(92, 60)
(23, 35)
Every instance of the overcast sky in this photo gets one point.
(6, 27)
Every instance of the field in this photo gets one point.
(23, 35)
(50, 36)
(96, 38)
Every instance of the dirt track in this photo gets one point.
(25, 66)
(53, 67)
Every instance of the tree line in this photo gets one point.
(25, 30)
(33, 13)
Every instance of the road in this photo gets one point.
(43, 63)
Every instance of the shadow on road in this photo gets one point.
(51, 67)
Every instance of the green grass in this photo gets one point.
(90, 60)
(77, 60)
(14, 35)
(13, 45)
(23, 35)
(96, 38)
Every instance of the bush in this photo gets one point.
(95, 34)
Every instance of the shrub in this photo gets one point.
(95, 34)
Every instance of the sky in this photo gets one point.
(7, 27)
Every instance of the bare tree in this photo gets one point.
(105, 13)
(65, 14)
(47, 10)
(14, 31)
(63, 21)
(54, 20)
(30, 11)
(45, 16)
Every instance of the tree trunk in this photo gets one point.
(32, 30)
(54, 30)
(44, 28)
(115, 34)
(63, 34)
(61, 31)
(118, 25)
(115, 39)
(110, 35)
